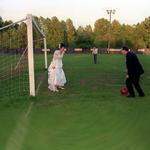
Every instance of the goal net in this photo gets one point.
(21, 58)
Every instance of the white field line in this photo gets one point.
(39, 84)
(18, 135)
(38, 87)
(29, 109)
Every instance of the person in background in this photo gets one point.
(95, 52)
(134, 71)
(56, 75)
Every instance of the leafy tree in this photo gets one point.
(84, 39)
(146, 24)
(88, 29)
(135, 36)
(65, 38)
(101, 32)
(126, 35)
(139, 36)
(22, 36)
(71, 32)
(48, 32)
(1, 21)
(115, 32)
(57, 32)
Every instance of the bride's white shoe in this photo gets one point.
(62, 88)
(56, 90)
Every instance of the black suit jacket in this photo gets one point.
(133, 65)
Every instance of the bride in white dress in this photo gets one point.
(56, 76)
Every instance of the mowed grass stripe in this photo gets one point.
(16, 139)
(90, 114)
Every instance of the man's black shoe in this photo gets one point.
(131, 96)
(141, 95)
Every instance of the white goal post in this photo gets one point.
(30, 55)
(30, 21)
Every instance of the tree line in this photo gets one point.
(56, 31)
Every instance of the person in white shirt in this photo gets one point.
(56, 75)
(95, 52)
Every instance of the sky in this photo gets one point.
(81, 12)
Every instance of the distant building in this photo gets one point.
(78, 49)
(144, 50)
(114, 51)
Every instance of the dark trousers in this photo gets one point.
(134, 81)
(95, 58)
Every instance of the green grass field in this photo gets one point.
(90, 114)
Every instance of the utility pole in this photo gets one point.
(110, 12)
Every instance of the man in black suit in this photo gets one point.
(134, 70)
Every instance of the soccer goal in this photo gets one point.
(23, 57)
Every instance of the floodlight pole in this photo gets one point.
(110, 12)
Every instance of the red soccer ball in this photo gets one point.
(124, 91)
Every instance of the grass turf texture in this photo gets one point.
(90, 114)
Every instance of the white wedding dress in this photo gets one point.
(56, 74)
